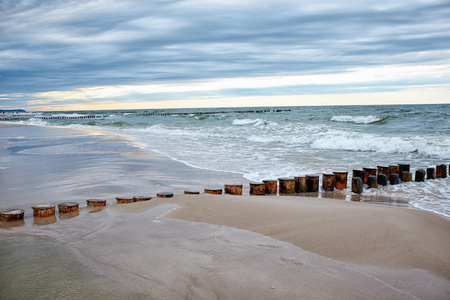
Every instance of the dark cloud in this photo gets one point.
(60, 45)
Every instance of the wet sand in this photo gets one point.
(198, 246)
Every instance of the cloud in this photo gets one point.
(66, 46)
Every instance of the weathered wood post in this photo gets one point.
(124, 199)
(233, 189)
(312, 183)
(361, 174)
(213, 191)
(369, 172)
(328, 182)
(68, 207)
(191, 192)
(257, 188)
(43, 210)
(403, 168)
(300, 184)
(394, 169)
(372, 182)
(441, 171)
(382, 179)
(164, 195)
(141, 198)
(340, 180)
(407, 176)
(286, 185)
(271, 186)
(394, 179)
(11, 215)
(383, 170)
(357, 185)
(420, 175)
(431, 173)
(95, 202)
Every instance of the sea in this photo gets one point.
(271, 142)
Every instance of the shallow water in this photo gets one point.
(36, 268)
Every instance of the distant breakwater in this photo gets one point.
(68, 117)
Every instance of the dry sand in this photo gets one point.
(202, 246)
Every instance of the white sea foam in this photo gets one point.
(429, 195)
(67, 115)
(34, 122)
(256, 122)
(356, 119)
(382, 144)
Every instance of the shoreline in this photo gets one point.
(200, 245)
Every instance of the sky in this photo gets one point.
(143, 54)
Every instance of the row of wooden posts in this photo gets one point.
(69, 208)
(372, 177)
(19, 118)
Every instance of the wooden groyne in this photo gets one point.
(145, 114)
(22, 118)
(255, 111)
(366, 178)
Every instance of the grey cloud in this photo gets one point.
(81, 43)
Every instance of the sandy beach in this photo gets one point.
(197, 246)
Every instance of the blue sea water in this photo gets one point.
(272, 142)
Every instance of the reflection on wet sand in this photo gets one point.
(65, 216)
(6, 225)
(44, 220)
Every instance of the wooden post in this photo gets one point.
(213, 191)
(361, 174)
(233, 189)
(287, 185)
(257, 189)
(369, 171)
(312, 183)
(403, 168)
(271, 186)
(383, 170)
(191, 192)
(124, 199)
(372, 182)
(141, 198)
(340, 180)
(431, 173)
(382, 179)
(164, 195)
(441, 171)
(300, 184)
(394, 169)
(420, 175)
(43, 210)
(328, 182)
(68, 207)
(407, 176)
(95, 202)
(11, 215)
(394, 179)
(357, 185)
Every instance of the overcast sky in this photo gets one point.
(69, 55)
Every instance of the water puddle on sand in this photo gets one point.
(35, 268)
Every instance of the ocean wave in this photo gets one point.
(34, 122)
(357, 119)
(256, 122)
(382, 144)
